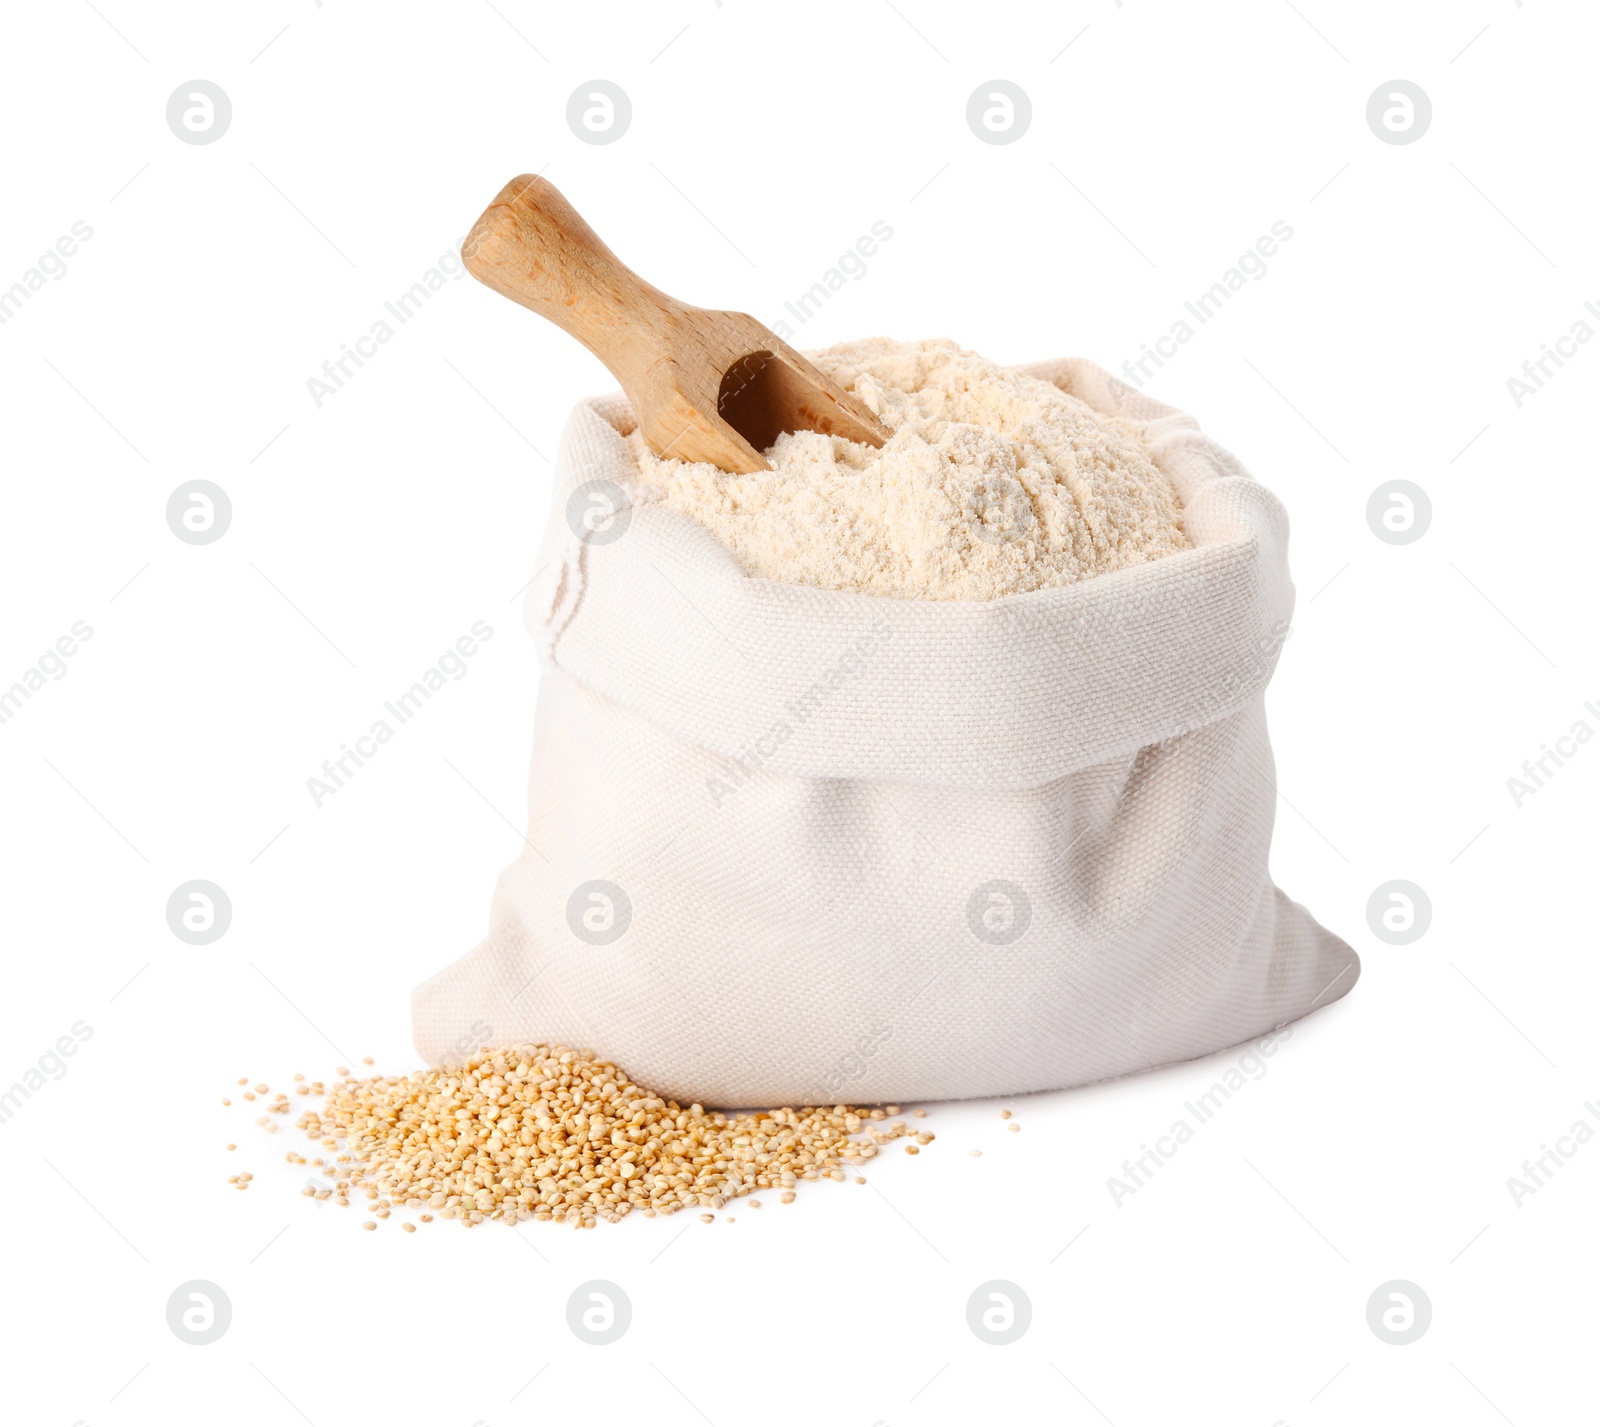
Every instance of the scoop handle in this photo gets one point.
(532, 246)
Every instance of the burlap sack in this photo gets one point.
(791, 846)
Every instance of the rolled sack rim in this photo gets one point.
(1012, 692)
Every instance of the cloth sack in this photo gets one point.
(793, 846)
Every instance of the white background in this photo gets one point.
(369, 534)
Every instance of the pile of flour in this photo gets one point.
(993, 483)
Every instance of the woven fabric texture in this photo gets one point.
(795, 846)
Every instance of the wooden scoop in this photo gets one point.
(705, 385)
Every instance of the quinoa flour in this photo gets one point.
(994, 483)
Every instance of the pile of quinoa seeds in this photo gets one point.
(544, 1132)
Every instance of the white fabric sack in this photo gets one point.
(792, 846)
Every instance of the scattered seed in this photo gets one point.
(340, 1070)
(860, 1179)
(976, 1154)
(707, 1218)
(262, 1089)
(549, 1133)
(227, 1102)
(920, 1114)
(366, 1060)
(912, 1149)
(233, 1147)
(1005, 1114)
(755, 1203)
(409, 1227)
(244, 1080)
(370, 1224)
(1014, 1128)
